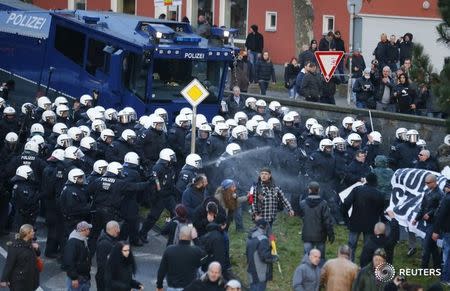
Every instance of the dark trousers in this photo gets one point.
(130, 229)
(4, 213)
(155, 212)
(55, 235)
(21, 218)
(430, 248)
(263, 85)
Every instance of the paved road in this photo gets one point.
(53, 278)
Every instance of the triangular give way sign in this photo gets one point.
(328, 62)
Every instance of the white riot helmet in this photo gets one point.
(274, 106)
(258, 118)
(123, 117)
(132, 116)
(186, 111)
(114, 168)
(157, 123)
(233, 149)
(100, 166)
(60, 100)
(400, 133)
(240, 132)
(359, 126)
(261, 106)
(85, 131)
(200, 119)
(352, 138)
(144, 119)
(27, 108)
(347, 122)
(25, 172)
(263, 129)
(31, 146)
(295, 115)
(106, 133)
(241, 118)
(98, 125)
(332, 132)
(11, 137)
(250, 102)
(62, 110)
(251, 126)
(204, 131)
(309, 122)
(376, 136)
(71, 153)
(421, 143)
(9, 111)
(36, 128)
(339, 144)
(75, 133)
(447, 139)
(162, 113)
(85, 99)
(274, 124)
(110, 114)
(200, 122)
(288, 118)
(182, 120)
(194, 160)
(58, 154)
(129, 136)
(59, 128)
(217, 119)
(39, 140)
(48, 116)
(74, 175)
(64, 140)
(316, 129)
(221, 129)
(100, 109)
(88, 143)
(412, 135)
(131, 158)
(231, 123)
(44, 103)
(168, 155)
(326, 145)
(93, 114)
(289, 140)
(284, 110)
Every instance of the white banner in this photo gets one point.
(346, 192)
(408, 188)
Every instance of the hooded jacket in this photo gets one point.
(306, 276)
(259, 257)
(317, 219)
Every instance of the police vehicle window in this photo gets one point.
(170, 76)
(96, 57)
(70, 43)
(134, 74)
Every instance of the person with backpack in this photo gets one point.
(173, 226)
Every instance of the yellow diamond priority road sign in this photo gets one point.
(195, 92)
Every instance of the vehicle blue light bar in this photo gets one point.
(91, 20)
(188, 39)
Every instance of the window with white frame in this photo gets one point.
(271, 21)
(328, 23)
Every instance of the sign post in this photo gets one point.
(328, 62)
(194, 93)
(353, 7)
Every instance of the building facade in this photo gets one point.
(281, 21)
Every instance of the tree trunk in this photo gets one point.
(304, 17)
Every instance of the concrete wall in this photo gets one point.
(432, 130)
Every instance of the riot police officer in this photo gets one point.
(119, 148)
(9, 123)
(313, 140)
(177, 135)
(74, 201)
(11, 147)
(217, 141)
(189, 171)
(164, 197)
(29, 157)
(406, 153)
(152, 141)
(25, 193)
(88, 146)
(104, 142)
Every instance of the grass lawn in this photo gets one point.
(290, 249)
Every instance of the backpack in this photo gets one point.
(176, 236)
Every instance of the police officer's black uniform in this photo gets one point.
(75, 206)
(25, 193)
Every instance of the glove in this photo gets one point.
(331, 237)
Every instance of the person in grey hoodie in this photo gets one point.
(307, 274)
(259, 257)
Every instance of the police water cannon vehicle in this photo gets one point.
(130, 60)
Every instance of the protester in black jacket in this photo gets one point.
(210, 281)
(180, 263)
(392, 53)
(368, 206)
(213, 242)
(105, 243)
(379, 240)
(381, 51)
(357, 169)
(77, 260)
(317, 221)
(311, 88)
(20, 270)
(364, 89)
(291, 71)
(404, 95)
(406, 46)
(120, 269)
(264, 73)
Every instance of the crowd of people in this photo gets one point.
(85, 168)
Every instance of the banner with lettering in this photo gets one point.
(408, 189)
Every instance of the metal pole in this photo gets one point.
(194, 128)
(350, 50)
(371, 120)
